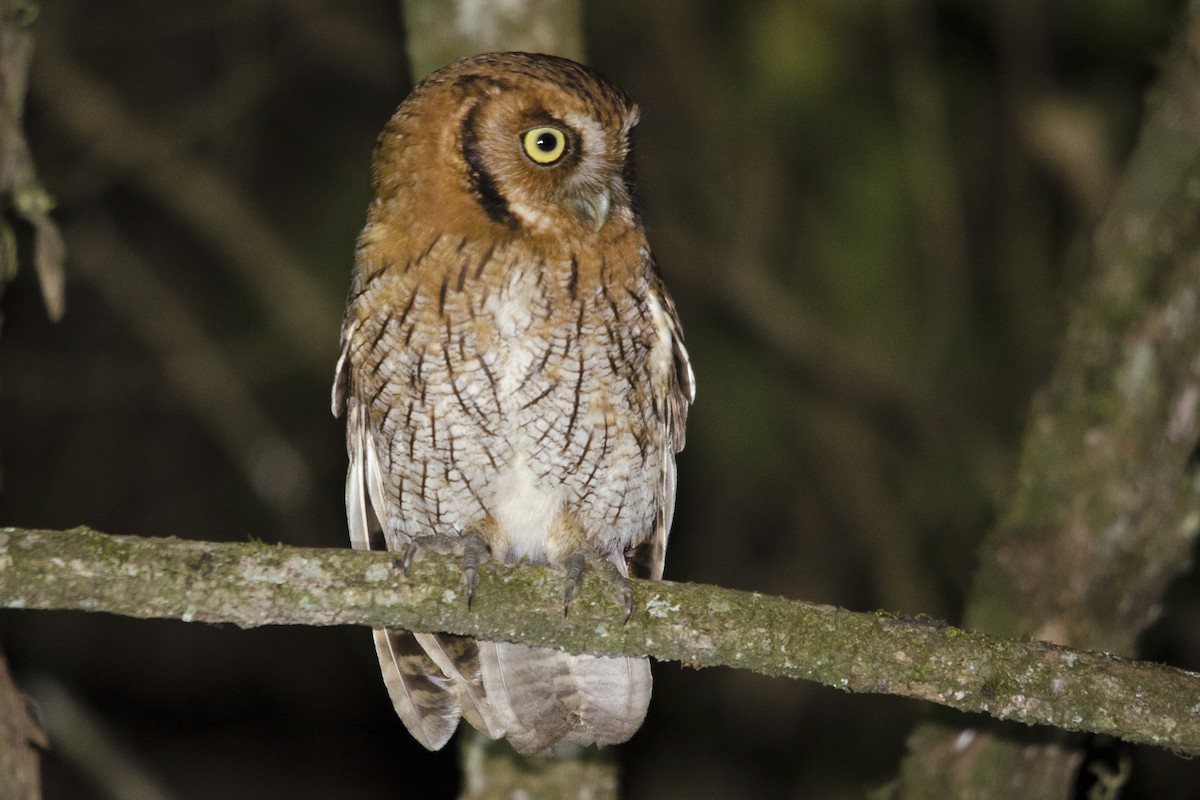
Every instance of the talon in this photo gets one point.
(605, 570)
(471, 578)
(406, 557)
(574, 578)
(474, 551)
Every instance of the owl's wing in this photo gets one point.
(364, 478)
(419, 689)
(364, 482)
(676, 393)
(433, 679)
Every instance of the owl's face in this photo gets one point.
(511, 143)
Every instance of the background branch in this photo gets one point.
(438, 32)
(703, 626)
(1107, 502)
(20, 738)
(199, 370)
(211, 205)
(22, 197)
(81, 736)
(21, 192)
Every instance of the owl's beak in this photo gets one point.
(594, 207)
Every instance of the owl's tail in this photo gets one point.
(540, 696)
(421, 693)
(534, 696)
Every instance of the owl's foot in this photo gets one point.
(585, 558)
(470, 548)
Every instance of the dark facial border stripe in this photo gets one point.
(483, 186)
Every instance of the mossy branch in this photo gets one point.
(255, 584)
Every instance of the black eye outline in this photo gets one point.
(544, 145)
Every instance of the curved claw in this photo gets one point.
(575, 565)
(474, 552)
(406, 557)
(605, 569)
(627, 596)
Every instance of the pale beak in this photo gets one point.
(594, 207)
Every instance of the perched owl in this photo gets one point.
(513, 371)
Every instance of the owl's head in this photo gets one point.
(528, 143)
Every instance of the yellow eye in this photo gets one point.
(545, 145)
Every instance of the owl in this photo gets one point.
(513, 373)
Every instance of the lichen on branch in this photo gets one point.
(254, 584)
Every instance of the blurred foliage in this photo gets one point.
(872, 215)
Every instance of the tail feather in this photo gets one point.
(419, 689)
(524, 685)
(458, 658)
(613, 695)
(541, 696)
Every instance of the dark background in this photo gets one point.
(873, 217)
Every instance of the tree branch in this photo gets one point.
(255, 584)
(20, 738)
(1106, 507)
(437, 32)
(214, 207)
